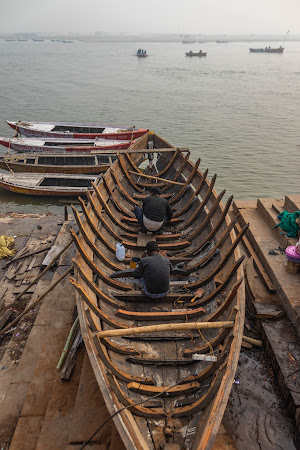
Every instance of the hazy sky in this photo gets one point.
(159, 16)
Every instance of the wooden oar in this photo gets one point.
(156, 178)
(164, 327)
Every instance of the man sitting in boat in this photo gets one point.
(155, 213)
(153, 272)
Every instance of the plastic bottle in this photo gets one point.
(120, 252)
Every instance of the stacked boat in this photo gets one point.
(61, 148)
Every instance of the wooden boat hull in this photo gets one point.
(76, 131)
(195, 54)
(45, 185)
(266, 50)
(23, 145)
(131, 371)
(53, 163)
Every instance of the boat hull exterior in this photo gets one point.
(143, 428)
(32, 168)
(41, 192)
(120, 136)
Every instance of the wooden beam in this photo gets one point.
(156, 178)
(164, 327)
(258, 265)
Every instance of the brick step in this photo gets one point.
(292, 203)
(269, 214)
(263, 240)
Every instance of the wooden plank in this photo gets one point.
(258, 265)
(5, 318)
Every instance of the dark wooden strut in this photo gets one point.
(153, 413)
(213, 231)
(189, 180)
(163, 246)
(210, 370)
(137, 296)
(106, 342)
(160, 362)
(101, 218)
(122, 190)
(94, 308)
(133, 221)
(94, 229)
(204, 300)
(100, 294)
(93, 266)
(108, 211)
(208, 216)
(183, 315)
(193, 195)
(165, 169)
(128, 177)
(206, 348)
(127, 244)
(218, 268)
(113, 369)
(165, 185)
(182, 389)
(200, 207)
(159, 238)
(200, 404)
(209, 255)
(117, 204)
(160, 316)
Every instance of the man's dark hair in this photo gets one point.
(152, 247)
(155, 191)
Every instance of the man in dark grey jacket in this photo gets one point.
(153, 272)
(155, 213)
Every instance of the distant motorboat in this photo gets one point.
(266, 50)
(190, 53)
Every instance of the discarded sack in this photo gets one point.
(7, 244)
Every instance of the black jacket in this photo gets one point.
(156, 208)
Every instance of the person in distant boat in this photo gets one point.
(139, 51)
(153, 272)
(155, 213)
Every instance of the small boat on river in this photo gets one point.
(54, 163)
(56, 145)
(190, 53)
(166, 385)
(266, 50)
(141, 53)
(76, 130)
(47, 185)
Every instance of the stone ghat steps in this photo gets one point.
(278, 334)
(262, 218)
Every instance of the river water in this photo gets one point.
(236, 110)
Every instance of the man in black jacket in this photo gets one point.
(155, 213)
(153, 272)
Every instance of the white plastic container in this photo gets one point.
(120, 252)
